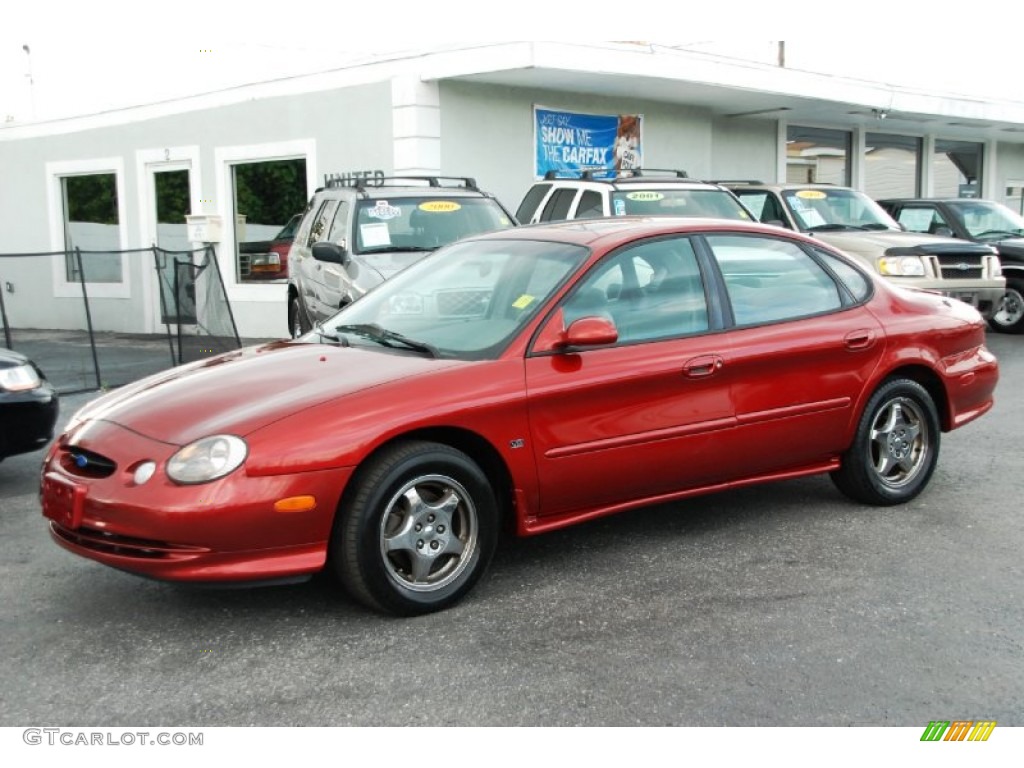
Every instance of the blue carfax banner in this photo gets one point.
(571, 142)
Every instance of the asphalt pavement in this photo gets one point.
(785, 604)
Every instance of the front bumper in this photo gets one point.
(224, 531)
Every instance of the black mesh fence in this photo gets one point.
(71, 345)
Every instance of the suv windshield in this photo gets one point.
(711, 203)
(465, 301)
(818, 210)
(986, 220)
(423, 223)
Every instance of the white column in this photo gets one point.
(416, 126)
(927, 157)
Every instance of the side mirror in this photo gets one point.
(590, 331)
(943, 232)
(330, 252)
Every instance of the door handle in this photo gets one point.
(859, 339)
(703, 366)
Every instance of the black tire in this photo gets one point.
(417, 531)
(296, 322)
(1008, 317)
(896, 446)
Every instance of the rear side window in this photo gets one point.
(558, 205)
(318, 232)
(590, 206)
(856, 283)
(529, 205)
(771, 280)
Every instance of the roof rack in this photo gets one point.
(735, 181)
(334, 180)
(600, 173)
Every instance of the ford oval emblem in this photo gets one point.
(963, 267)
(80, 460)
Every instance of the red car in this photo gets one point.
(533, 378)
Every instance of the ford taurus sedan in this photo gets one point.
(524, 381)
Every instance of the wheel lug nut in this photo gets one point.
(440, 529)
(430, 518)
(434, 545)
(419, 527)
(419, 544)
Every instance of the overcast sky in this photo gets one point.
(84, 57)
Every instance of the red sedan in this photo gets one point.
(534, 377)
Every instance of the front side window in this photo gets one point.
(650, 291)
(770, 280)
(924, 219)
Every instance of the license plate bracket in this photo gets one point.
(63, 501)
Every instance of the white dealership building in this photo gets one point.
(467, 110)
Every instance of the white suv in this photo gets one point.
(645, 192)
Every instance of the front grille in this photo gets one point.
(471, 303)
(82, 463)
(961, 266)
(124, 546)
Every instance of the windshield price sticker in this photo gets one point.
(645, 197)
(524, 301)
(811, 194)
(439, 206)
(383, 210)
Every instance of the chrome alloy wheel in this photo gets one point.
(428, 533)
(899, 445)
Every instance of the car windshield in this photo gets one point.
(820, 210)
(465, 301)
(711, 203)
(424, 223)
(989, 221)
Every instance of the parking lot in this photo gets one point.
(780, 605)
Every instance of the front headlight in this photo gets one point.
(207, 459)
(19, 378)
(901, 266)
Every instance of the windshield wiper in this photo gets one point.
(323, 334)
(831, 227)
(398, 248)
(387, 338)
(1010, 232)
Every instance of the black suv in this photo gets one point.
(355, 234)
(981, 221)
(645, 192)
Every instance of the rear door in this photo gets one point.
(802, 351)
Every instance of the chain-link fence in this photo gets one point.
(86, 337)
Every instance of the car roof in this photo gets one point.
(589, 232)
(751, 184)
(404, 186)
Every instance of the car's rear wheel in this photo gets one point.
(418, 529)
(896, 446)
(1009, 315)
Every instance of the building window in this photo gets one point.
(892, 165)
(818, 155)
(92, 224)
(267, 195)
(956, 168)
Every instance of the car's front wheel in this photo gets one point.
(296, 326)
(896, 446)
(1009, 315)
(418, 529)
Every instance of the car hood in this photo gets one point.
(241, 391)
(1010, 247)
(877, 242)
